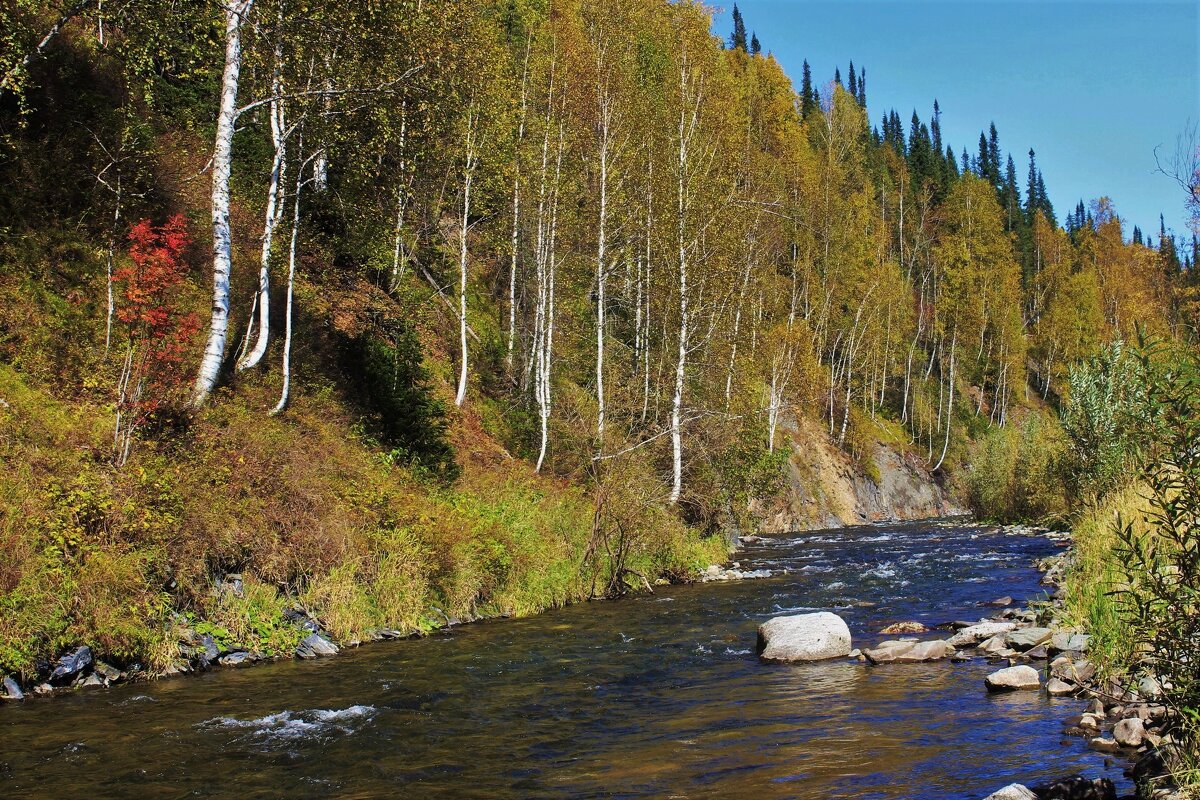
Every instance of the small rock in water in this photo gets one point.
(904, 627)
(92, 681)
(108, 672)
(1028, 638)
(1012, 678)
(1102, 745)
(1129, 732)
(1014, 791)
(1040, 653)
(1057, 687)
(977, 633)
(234, 658)
(1002, 601)
(315, 645)
(12, 689)
(803, 637)
(71, 664)
(904, 652)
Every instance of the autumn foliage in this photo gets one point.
(158, 331)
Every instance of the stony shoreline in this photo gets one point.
(200, 649)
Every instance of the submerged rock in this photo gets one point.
(908, 652)
(1014, 791)
(1013, 678)
(71, 664)
(803, 637)
(1102, 745)
(977, 633)
(1002, 601)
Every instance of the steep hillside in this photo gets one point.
(389, 314)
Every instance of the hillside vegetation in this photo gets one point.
(413, 311)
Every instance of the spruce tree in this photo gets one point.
(837, 76)
(852, 86)
(862, 87)
(1044, 204)
(755, 47)
(982, 167)
(1012, 197)
(1137, 235)
(806, 91)
(966, 162)
(951, 163)
(1031, 193)
(935, 128)
(993, 155)
(737, 41)
(1168, 253)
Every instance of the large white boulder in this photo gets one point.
(804, 637)
(1011, 678)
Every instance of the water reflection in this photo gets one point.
(652, 696)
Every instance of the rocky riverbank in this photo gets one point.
(200, 646)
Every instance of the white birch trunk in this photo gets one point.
(214, 350)
(516, 215)
(472, 158)
(273, 215)
(285, 392)
(949, 404)
(601, 266)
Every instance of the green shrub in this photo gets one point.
(1102, 419)
(1013, 471)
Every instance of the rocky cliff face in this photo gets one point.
(826, 488)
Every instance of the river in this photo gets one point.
(650, 696)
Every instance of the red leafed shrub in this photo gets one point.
(159, 332)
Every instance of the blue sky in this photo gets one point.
(1093, 87)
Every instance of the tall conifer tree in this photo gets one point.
(737, 41)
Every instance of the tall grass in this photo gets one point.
(309, 510)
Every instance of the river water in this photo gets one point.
(652, 696)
